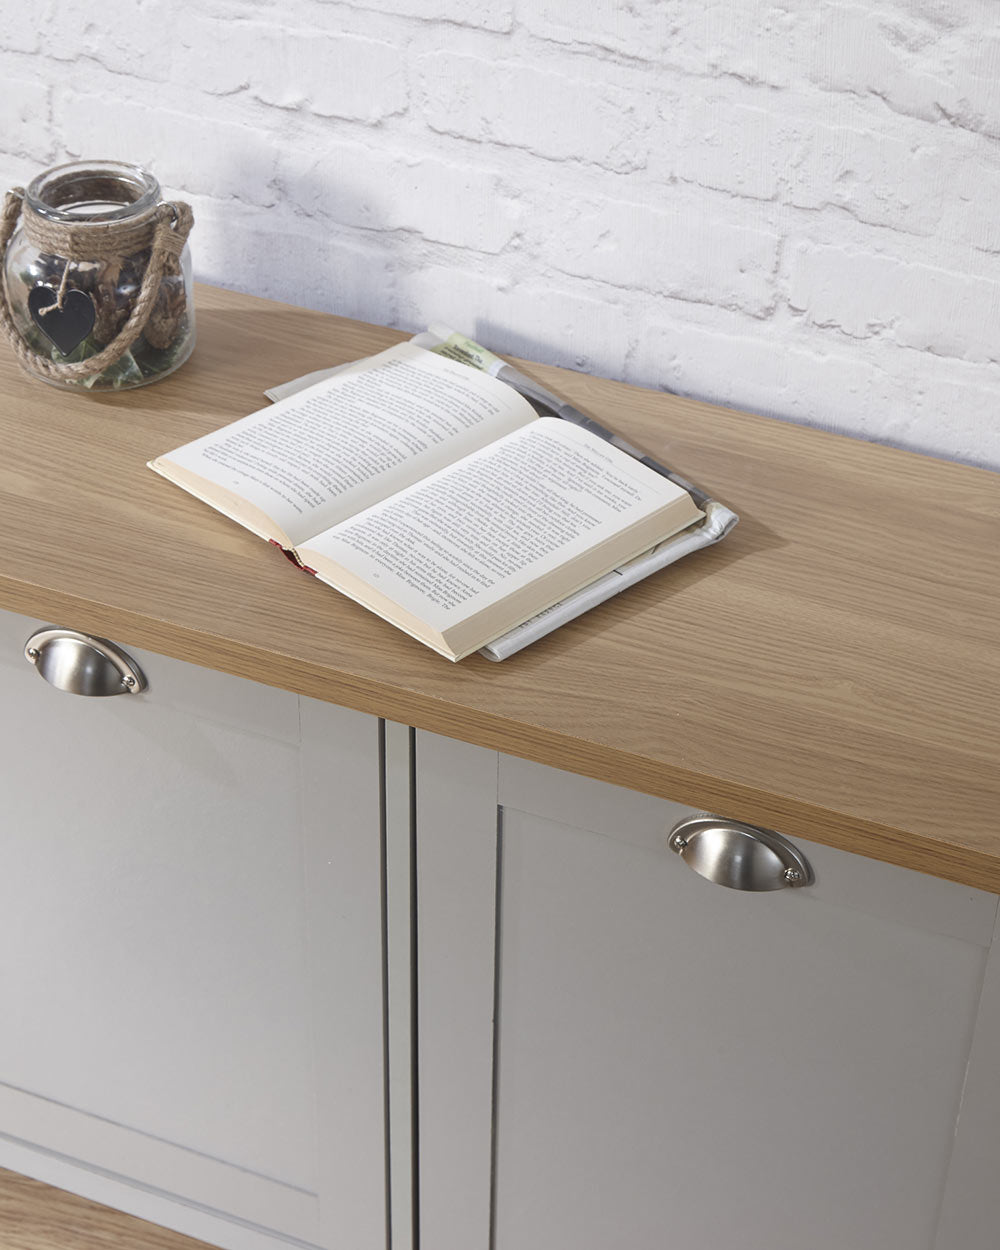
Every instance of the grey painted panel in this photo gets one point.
(684, 1065)
(150, 906)
(456, 872)
(400, 957)
(900, 894)
(970, 1213)
(343, 892)
(191, 947)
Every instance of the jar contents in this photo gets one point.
(98, 278)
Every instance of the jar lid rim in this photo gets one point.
(121, 189)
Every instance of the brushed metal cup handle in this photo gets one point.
(82, 664)
(739, 856)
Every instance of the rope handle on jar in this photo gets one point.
(173, 222)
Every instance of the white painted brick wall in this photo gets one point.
(780, 205)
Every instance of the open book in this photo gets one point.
(434, 495)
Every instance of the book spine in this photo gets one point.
(292, 556)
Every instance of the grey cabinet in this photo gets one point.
(271, 970)
(615, 1051)
(191, 965)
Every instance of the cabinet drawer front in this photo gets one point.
(842, 879)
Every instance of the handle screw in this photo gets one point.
(680, 843)
(32, 654)
(793, 874)
(128, 681)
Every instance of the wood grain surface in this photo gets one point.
(34, 1216)
(830, 670)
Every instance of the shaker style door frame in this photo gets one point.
(318, 768)
(397, 743)
(456, 908)
(344, 844)
(468, 915)
(970, 1210)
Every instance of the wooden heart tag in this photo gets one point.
(65, 327)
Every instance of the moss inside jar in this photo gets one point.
(74, 271)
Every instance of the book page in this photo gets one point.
(349, 441)
(504, 518)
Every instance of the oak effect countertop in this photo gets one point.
(830, 670)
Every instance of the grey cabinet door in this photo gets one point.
(674, 1063)
(190, 953)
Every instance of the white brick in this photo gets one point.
(677, 254)
(531, 319)
(24, 119)
(858, 293)
(357, 186)
(483, 14)
(973, 100)
(969, 212)
(285, 261)
(931, 309)
(197, 59)
(949, 409)
(856, 50)
(734, 147)
(124, 37)
(877, 178)
(544, 322)
(16, 171)
(458, 297)
(764, 42)
(333, 75)
(908, 399)
(557, 116)
(636, 30)
(22, 28)
(758, 43)
(186, 153)
(759, 372)
(915, 65)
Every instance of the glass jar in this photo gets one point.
(97, 277)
